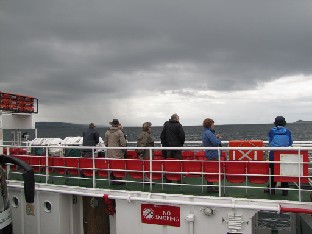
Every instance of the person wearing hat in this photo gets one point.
(114, 137)
(90, 138)
(279, 136)
(145, 139)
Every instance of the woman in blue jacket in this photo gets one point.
(210, 139)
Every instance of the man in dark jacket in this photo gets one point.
(172, 135)
(90, 138)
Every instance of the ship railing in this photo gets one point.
(225, 177)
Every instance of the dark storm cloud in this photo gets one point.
(64, 49)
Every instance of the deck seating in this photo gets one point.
(211, 171)
(15, 151)
(59, 165)
(135, 168)
(172, 169)
(235, 171)
(131, 154)
(187, 155)
(72, 165)
(45, 166)
(86, 165)
(154, 173)
(35, 162)
(192, 168)
(102, 166)
(258, 172)
(200, 155)
(118, 168)
(157, 154)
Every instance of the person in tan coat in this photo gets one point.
(114, 137)
(145, 139)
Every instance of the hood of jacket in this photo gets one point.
(279, 130)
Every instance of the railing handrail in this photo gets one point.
(164, 148)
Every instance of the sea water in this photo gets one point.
(300, 131)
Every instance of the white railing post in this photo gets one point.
(300, 174)
(93, 169)
(219, 174)
(151, 169)
(47, 164)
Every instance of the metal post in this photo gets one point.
(219, 184)
(93, 169)
(300, 174)
(47, 163)
(150, 163)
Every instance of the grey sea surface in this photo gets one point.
(300, 131)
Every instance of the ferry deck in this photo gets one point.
(241, 176)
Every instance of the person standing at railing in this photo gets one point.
(210, 139)
(90, 138)
(172, 135)
(114, 137)
(145, 139)
(279, 136)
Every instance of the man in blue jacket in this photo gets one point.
(279, 136)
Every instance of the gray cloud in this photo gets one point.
(62, 51)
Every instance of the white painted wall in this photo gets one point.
(17, 121)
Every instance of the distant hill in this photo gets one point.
(303, 121)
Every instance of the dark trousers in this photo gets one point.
(214, 188)
(86, 153)
(273, 183)
(174, 154)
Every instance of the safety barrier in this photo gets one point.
(193, 170)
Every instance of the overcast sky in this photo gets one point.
(143, 60)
